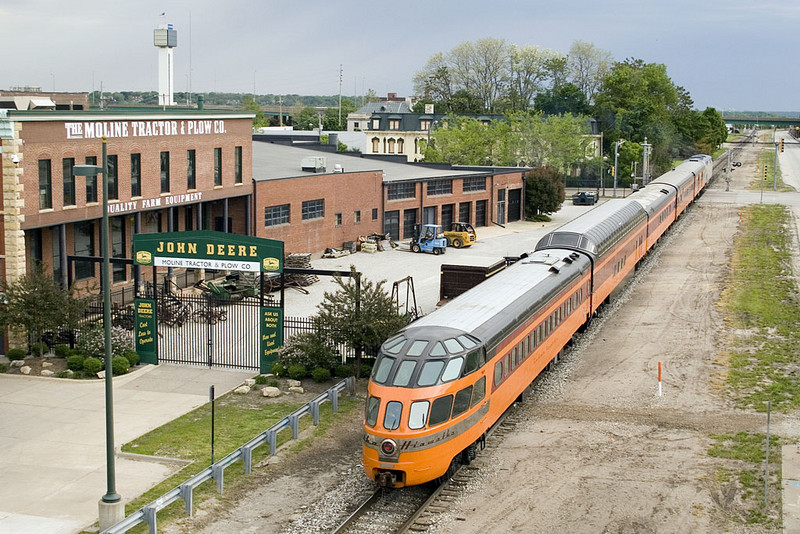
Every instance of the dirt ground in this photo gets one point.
(597, 449)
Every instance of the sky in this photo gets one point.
(733, 55)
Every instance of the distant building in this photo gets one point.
(27, 98)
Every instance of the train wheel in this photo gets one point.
(469, 454)
(451, 470)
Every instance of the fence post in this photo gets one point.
(186, 495)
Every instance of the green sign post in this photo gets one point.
(206, 249)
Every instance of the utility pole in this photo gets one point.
(616, 163)
(775, 169)
(646, 148)
(280, 108)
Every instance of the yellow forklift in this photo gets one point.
(460, 235)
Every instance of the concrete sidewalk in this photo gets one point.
(52, 438)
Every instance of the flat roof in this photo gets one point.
(107, 114)
(272, 161)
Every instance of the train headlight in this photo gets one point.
(388, 447)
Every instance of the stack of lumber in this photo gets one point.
(299, 261)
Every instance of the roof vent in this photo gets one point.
(313, 164)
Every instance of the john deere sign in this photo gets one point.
(209, 250)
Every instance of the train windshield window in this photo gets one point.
(453, 346)
(480, 391)
(438, 349)
(440, 410)
(461, 403)
(393, 346)
(382, 369)
(416, 348)
(472, 361)
(372, 410)
(403, 374)
(391, 419)
(430, 372)
(453, 369)
(466, 341)
(418, 415)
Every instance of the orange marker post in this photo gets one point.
(659, 379)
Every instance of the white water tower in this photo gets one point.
(165, 38)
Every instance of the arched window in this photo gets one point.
(391, 146)
(376, 145)
(400, 146)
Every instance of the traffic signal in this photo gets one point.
(765, 172)
(781, 145)
(612, 171)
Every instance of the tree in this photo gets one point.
(544, 192)
(566, 98)
(359, 313)
(249, 104)
(527, 74)
(306, 118)
(587, 66)
(37, 304)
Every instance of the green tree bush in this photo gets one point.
(92, 366)
(298, 372)
(75, 362)
(15, 354)
(120, 365)
(320, 375)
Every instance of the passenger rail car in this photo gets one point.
(440, 383)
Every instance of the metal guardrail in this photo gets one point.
(147, 514)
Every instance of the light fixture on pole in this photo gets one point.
(112, 510)
(616, 163)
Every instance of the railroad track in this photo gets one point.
(415, 509)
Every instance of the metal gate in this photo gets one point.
(204, 330)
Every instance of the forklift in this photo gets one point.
(429, 238)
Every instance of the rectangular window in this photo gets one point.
(113, 189)
(69, 181)
(91, 182)
(217, 166)
(374, 214)
(118, 270)
(357, 217)
(440, 187)
(376, 124)
(55, 238)
(394, 124)
(136, 175)
(84, 246)
(313, 209)
(275, 215)
(402, 190)
(165, 172)
(191, 181)
(237, 165)
(338, 219)
(474, 184)
(45, 185)
(425, 125)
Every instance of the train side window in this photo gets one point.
(440, 410)
(438, 349)
(569, 306)
(514, 356)
(507, 365)
(498, 373)
(372, 410)
(404, 372)
(461, 402)
(527, 348)
(480, 391)
(540, 336)
(473, 362)
(418, 415)
(416, 348)
(391, 419)
(382, 369)
(430, 372)
(453, 369)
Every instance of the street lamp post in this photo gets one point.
(616, 163)
(112, 509)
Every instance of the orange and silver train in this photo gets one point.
(440, 383)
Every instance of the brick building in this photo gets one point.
(169, 170)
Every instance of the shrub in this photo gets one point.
(62, 374)
(15, 354)
(366, 370)
(3, 368)
(320, 375)
(93, 365)
(278, 369)
(120, 365)
(92, 341)
(272, 383)
(308, 349)
(62, 351)
(297, 372)
(261, 379)
(75, 362)
(343, 371)
(132, 356)
(39, 348)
